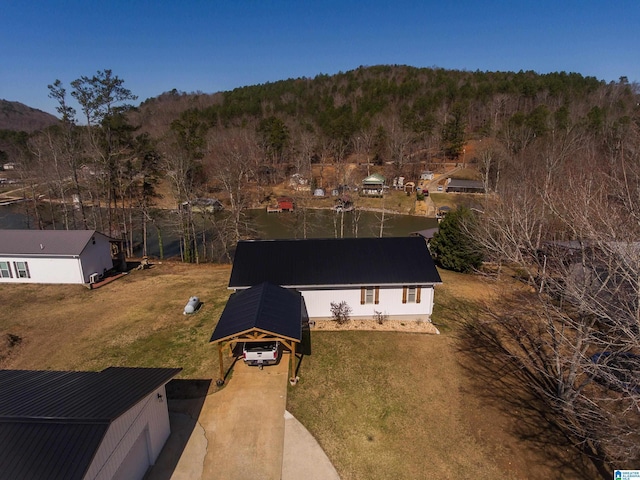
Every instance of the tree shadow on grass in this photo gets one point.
(501, 383)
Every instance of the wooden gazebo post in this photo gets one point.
(220, 380)
(292, 361)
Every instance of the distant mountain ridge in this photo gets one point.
(20, 117)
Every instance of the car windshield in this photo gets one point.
(260, 346)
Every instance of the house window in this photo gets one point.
(22, 269)
(411, 294)
(370, 295)
(5, 270)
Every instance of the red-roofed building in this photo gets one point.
(285, 204)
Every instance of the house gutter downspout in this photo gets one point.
(77, 257)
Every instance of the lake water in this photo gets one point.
(10, 218)
(329, 224)
(319, 224)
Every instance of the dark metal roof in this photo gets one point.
(44, 242)
(48, 450)
(51, 423)
(333, 262)
(427, 233)
(263, 307)
(466, 184)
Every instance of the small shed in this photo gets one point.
(409, 187)
(373, 185)
(265, 312)
(285, 204)
(77, 425)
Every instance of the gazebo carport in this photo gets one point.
(265, 312)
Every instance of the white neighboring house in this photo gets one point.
(55, 256)
(394, 276)
(83, 425)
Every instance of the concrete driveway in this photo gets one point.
(240, 434)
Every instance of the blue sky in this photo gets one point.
(210, 46)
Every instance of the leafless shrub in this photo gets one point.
(340, 312)
(380, 317)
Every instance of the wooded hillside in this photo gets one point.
(19, 117)
(394, 120)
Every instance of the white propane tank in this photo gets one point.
(192, 305)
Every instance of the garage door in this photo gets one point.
(136, 463)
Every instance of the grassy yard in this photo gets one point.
(384, 405)
(388, 405)
(134, 321)
(391, 405)
(455, 200)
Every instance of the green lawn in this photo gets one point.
(391, 404)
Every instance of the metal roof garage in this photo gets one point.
(82, 425)
(265, 312)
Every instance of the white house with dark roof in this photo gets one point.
(55, 256)
(82, 425)
(394, 276)
(465, 186)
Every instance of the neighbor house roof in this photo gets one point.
(264, 307)
(374, 178)
(52, 423)
(333, 262)
(44, 242)
(427, 233)
(465, 184)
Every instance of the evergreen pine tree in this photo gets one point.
(452, 246)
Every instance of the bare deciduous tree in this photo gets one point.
(233, 160)
(572, 232)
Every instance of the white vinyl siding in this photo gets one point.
(48, 270)
(146, 424)
(318, 302)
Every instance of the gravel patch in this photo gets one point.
(416, 326)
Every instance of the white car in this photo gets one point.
(260, 353)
